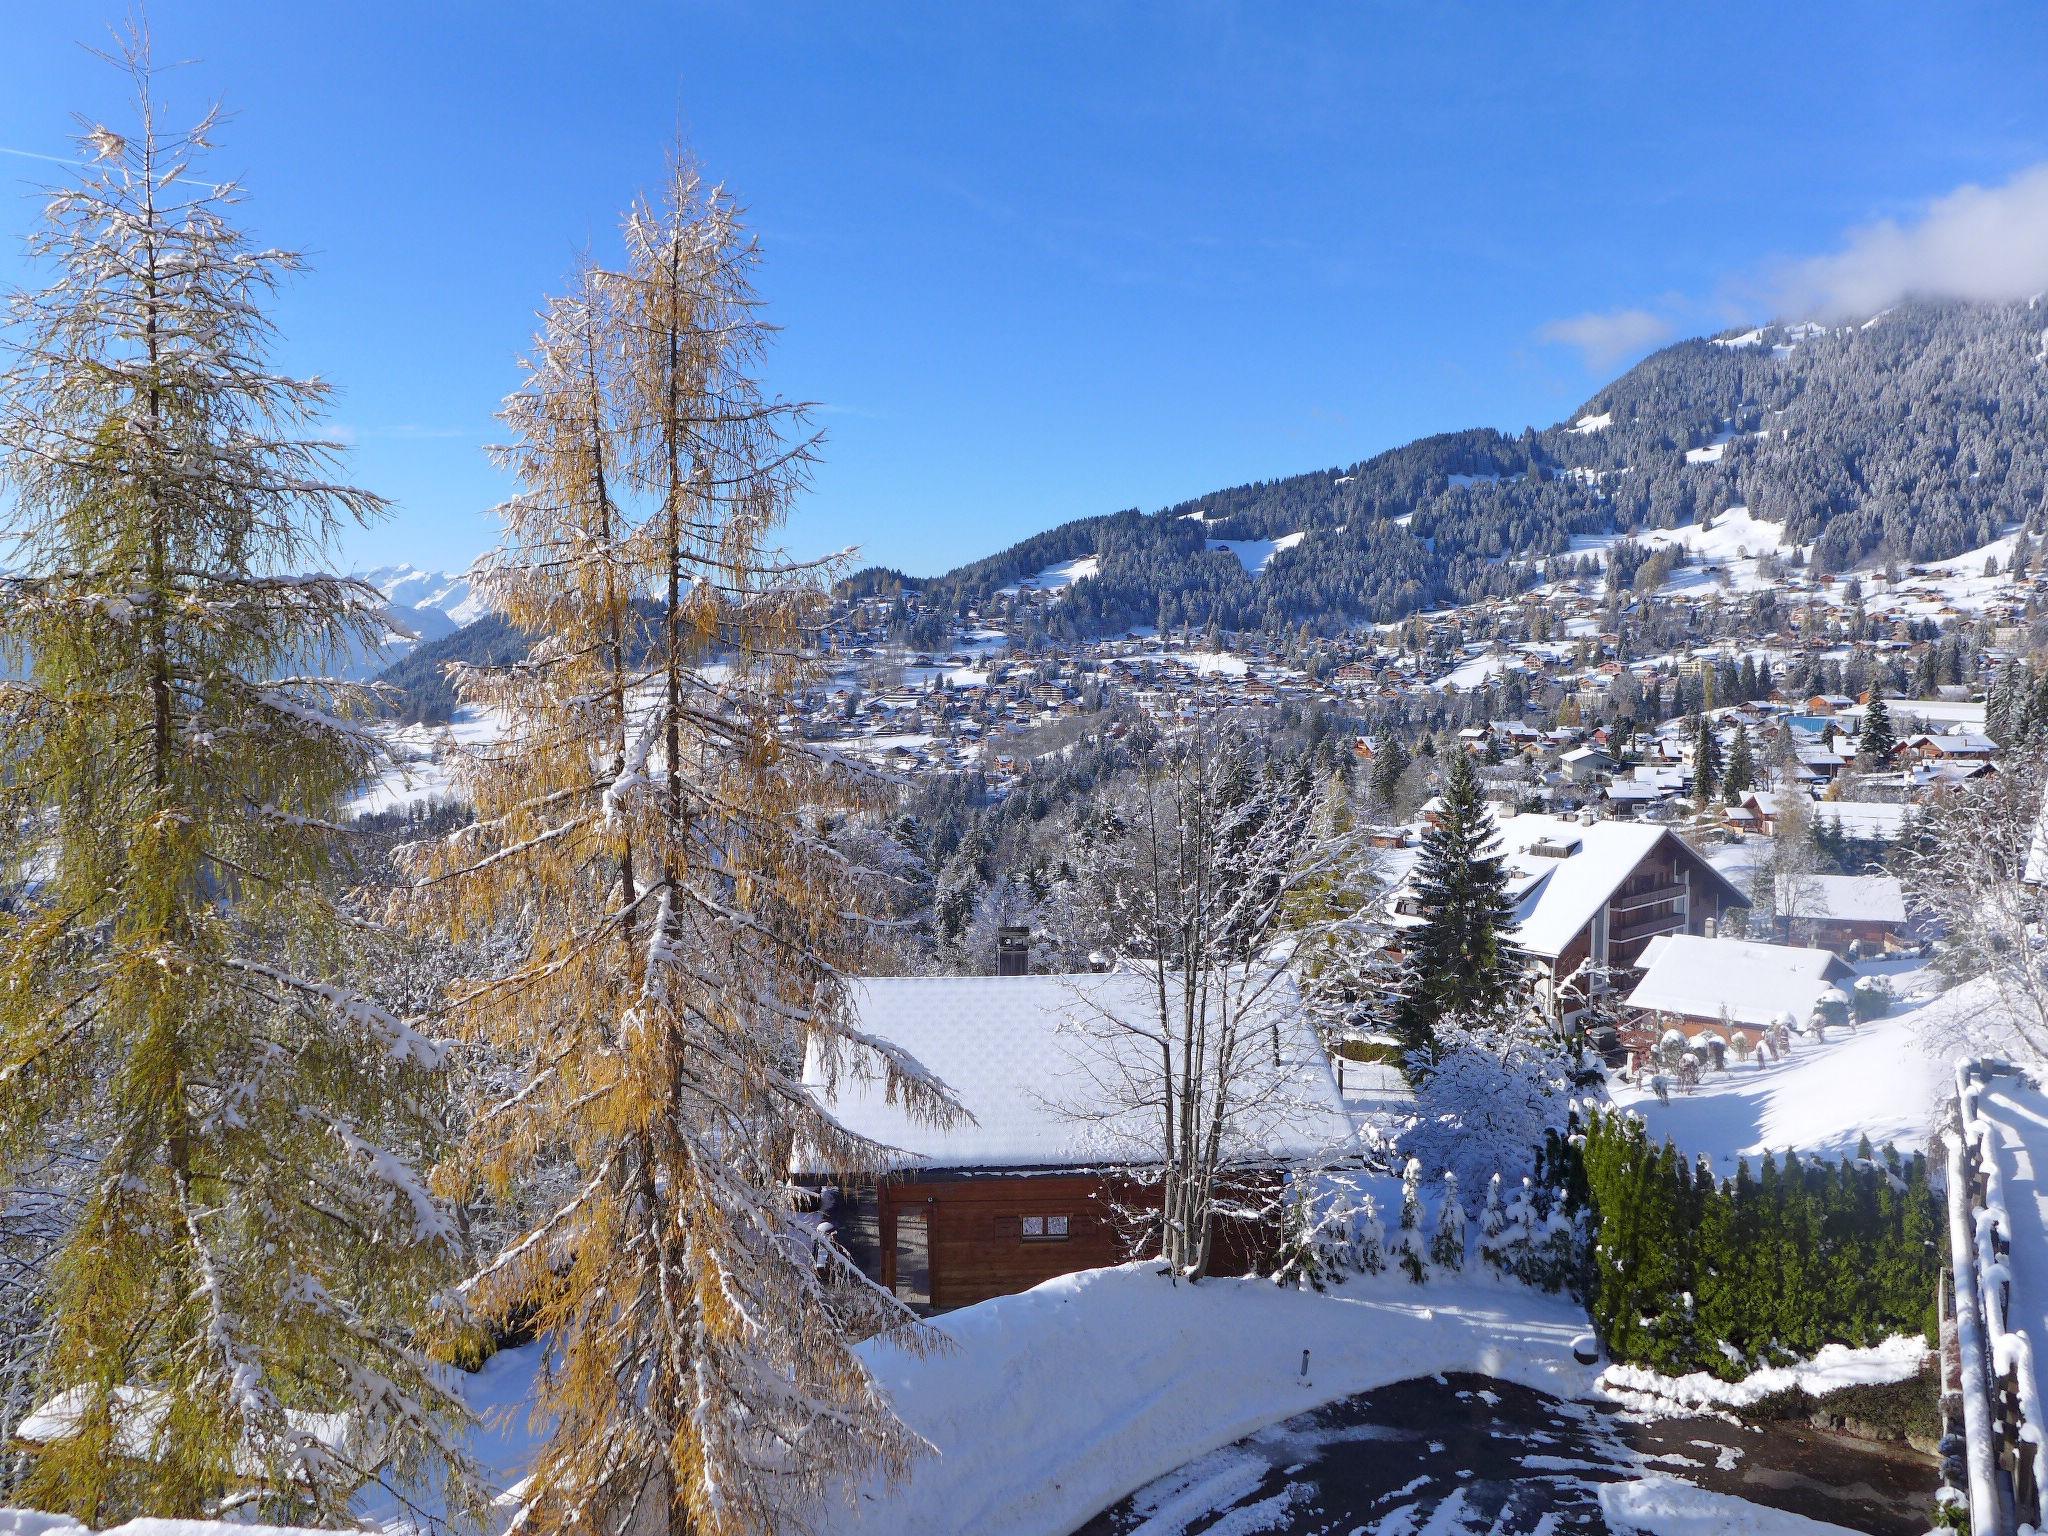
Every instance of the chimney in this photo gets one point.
(1013, 951)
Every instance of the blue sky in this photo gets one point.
(1037, 261)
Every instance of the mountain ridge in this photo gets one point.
(1914, 435)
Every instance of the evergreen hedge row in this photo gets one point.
(1690, 1272)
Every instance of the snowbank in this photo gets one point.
(1836, 1366)
(1664, 1506)
(1051, 1405)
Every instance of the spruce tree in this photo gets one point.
(1739, 778)
(1388, 765)
(1706, 761)
(1879, 740)
(253, 1249)
(1461, 956)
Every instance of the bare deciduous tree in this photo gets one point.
(1198, 1060)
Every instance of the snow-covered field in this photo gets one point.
(1057, 578)
(422, 766)
(1256, 554)
(1884, 1080)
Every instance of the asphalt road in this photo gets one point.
(1467, 1454)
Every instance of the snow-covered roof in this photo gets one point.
(1753, 983)
(1635, 789)
(1036, 1060)
(1857, 818)
(1850, 898)
(1555, 898)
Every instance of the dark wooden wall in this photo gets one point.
(978, 1249)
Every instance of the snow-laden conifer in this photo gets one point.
(665, 845)
(1370, 1238)
(1409, 1245)
(241, 1306)
(1461, 956)
(1493, 1227)
(1447, 1243)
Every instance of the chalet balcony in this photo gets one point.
(1630, 901)
(1647, 926)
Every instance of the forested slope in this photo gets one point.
(1918, 434)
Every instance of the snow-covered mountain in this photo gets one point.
(421, 606)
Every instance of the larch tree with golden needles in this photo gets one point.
(664, 842)
(236, 1307)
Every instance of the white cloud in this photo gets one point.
(1605, 339)
(1974, 243)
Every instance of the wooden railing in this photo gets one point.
(1644, 927)
(1628, 901)
(1989, 1366)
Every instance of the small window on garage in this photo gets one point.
(1044, 1228)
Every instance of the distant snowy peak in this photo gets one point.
(433, 602)
(419, 606)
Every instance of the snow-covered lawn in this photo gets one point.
(1883, 1080)
(1051, 1405)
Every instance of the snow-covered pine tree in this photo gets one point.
(1389, 763)
(252, 1248)
(1447, 1243)
(1460, 956)
(666, 846)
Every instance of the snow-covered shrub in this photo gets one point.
(1315, 1244)
(1688, 1073)
(1447, 1246)
(1538, 1244)
(1780, 1037)
(1872, 998)
(1493, 1228)
(1408, 1244)
(1330, 1231)
(1830, 1012)
(1557, 1251)
(1494, 1085)
(1369, 1239)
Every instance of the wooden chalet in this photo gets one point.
(1045, 1174)
(1723, 995)
(1602, 890)
(1836, 911)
